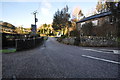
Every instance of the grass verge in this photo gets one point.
(7, 50)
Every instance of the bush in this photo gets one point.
(118, 39)
(62, 37)
(77, 41)
(74, 33)
(45, 37)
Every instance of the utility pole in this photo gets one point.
(34, 27)
(36, 20)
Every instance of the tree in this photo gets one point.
(87, 29)
(45, 25)
(61, 18)
(10, 25)
(74, 33)
(4, 23)
(101, 6)
(76, 14)
(107, 5)
(44, 28)
(114, 7)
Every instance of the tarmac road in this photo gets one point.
(58, 60)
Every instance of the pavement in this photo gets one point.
(56, 60)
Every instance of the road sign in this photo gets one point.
(33, 28)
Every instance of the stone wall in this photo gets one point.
(68, 40)
(91, 41)
(97, 41)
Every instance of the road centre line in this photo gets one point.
(114, 51)
(115, 62)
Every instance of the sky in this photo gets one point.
(20, 13)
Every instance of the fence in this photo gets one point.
(8, 43)
(27, 43)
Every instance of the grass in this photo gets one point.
(118, 39)
(7, 50)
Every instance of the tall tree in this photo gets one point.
(101, 6)
(107, 5)
(114, 7)
(76, 14)
(61, 18)
(4, 23)
(87, 29)
(44, 28)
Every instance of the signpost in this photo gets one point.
(33, 29)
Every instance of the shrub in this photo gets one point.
(61, 38)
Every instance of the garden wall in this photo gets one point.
(91, 41)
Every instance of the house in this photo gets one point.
(105, 24)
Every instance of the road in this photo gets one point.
(58, 60)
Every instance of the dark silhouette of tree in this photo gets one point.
(61, 19)
(87, 29)
(8, 25)
(114, 7)
(4, 23)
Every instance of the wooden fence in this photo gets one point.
(27, 43)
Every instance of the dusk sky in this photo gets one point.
(20, 13)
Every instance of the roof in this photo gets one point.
(95, 16)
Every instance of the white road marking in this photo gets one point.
(101, 59)
(96, 50)
(106, 49)
(114, 51)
